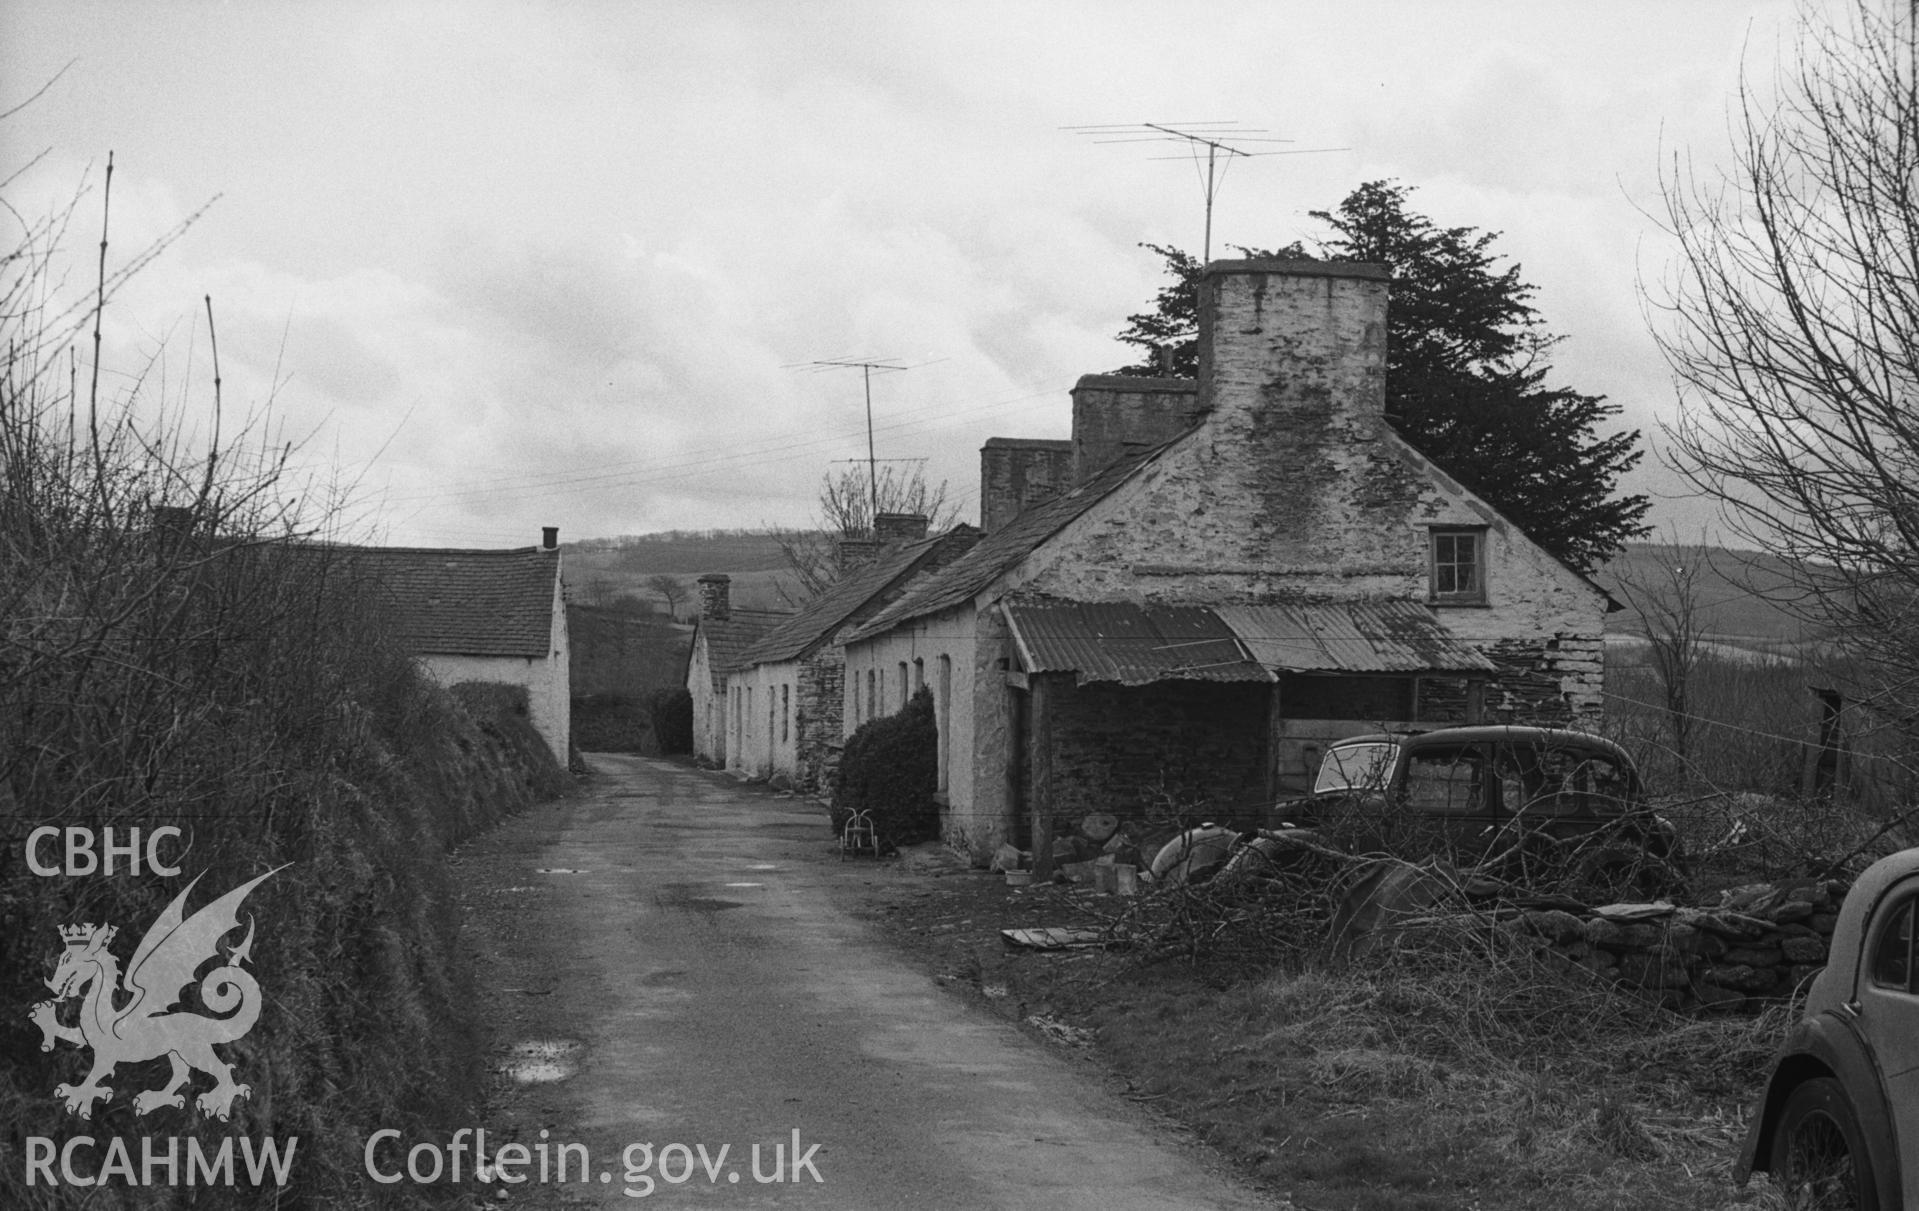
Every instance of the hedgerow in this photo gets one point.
(180, 647)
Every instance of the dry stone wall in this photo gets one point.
(1757, 944)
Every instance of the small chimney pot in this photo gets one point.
(550, 538)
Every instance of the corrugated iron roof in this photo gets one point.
(1351, 637)
(1129, 642)
(1136, 643)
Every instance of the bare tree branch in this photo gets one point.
(1791, 324)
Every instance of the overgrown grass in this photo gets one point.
(1447, 1072)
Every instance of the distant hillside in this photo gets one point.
(601, 571)
(688, 551)
(1744, 598)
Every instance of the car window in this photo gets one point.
(1573, 782)
(1356, 767)
(1446, 781)
(1892, 956)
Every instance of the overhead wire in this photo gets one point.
(766, 452)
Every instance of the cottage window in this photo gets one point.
(786, 711)
(855, 716)
(919, 673)
(905, 690)
(872, 696)
(1459, 566)
(945, 718)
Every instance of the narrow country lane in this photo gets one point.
(664, 944)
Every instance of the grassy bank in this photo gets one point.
(181, 650)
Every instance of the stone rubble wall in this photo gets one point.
(1758, 944)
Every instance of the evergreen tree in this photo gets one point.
(1466, 370)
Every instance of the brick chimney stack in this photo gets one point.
(856, 549)
(897, 529)
(1016, 473)
(550, 538)
(716, 596)
(1113, 413)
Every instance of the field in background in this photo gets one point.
(612, 572)
(1744, 598)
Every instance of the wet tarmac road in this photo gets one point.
(663, 951)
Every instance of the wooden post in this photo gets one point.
(1043, 699)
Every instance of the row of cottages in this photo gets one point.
(721, 636)
(788, 703)
(1211, 580)
(484, 615)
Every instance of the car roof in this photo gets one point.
(1862, 902)
(1487, 732)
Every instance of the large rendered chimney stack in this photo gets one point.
(1292, 351)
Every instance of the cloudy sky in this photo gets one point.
(508, 265)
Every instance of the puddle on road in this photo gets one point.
(742, 885)
(558, 870)
(541, 1061)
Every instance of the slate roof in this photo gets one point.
(727, 640)
(452, 602)
(819, 619)
(999, 551)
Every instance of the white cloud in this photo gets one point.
(523, 264)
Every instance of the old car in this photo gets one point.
(1838, 1123)
(1542, 803)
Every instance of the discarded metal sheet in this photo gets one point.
(1055, 937)
(1635, 912)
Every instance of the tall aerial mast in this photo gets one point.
(1196, 135)
(866, 367)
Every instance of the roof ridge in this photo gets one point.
(1031, 529)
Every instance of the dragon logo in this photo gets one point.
(142, 1029)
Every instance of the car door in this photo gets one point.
(1446, 796)
(1888, 996)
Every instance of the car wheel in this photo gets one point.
(1818, 1154)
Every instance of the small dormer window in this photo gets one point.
(1459, 566)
